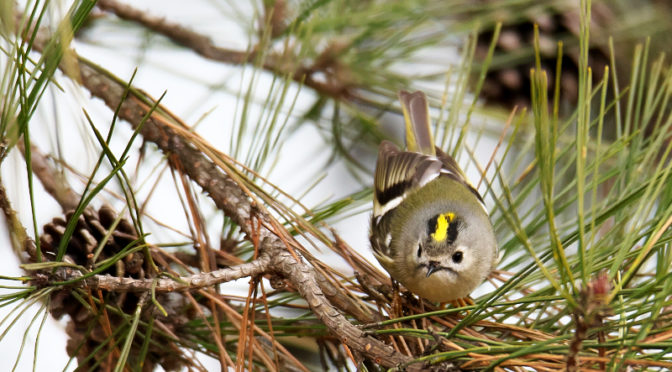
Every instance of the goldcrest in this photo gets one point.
(429, 229)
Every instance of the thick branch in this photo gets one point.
(231, 198)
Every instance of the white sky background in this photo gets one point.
(198, 91)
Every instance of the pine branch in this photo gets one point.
(236, 204)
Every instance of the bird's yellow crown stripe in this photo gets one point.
(442, 224)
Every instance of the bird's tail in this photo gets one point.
(416, 114)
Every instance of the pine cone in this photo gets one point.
(88, 330)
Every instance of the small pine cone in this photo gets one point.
(91, 229)
(85, 328)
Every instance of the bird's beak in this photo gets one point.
(432, 267)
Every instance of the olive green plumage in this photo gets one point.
(429, 228)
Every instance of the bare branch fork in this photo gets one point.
(231, 198)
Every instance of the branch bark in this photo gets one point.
(185, 283)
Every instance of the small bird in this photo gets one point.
(429, 229)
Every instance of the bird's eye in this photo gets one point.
(419, 250)
(457, 257)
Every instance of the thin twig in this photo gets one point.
(336, 86)
(196, 281)
(18, 236)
